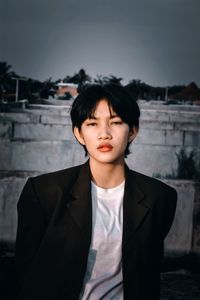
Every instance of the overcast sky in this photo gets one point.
(157, 41)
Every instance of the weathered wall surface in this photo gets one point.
(39, 141)
(184, 235)
(42, 140)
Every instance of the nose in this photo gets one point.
(104, 132)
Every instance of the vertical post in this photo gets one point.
(166, 94)
(17, 90)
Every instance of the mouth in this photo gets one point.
(105, 147)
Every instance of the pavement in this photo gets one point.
(180, 285)
(180, 278)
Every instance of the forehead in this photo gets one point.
(103, 107)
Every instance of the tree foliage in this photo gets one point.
(6, 78)
(81, 78)
(31, 89)
(188, 166)
(100, 79)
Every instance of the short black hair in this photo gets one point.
(118, 99)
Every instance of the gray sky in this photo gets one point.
(157, 41)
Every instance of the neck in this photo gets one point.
(107, 175)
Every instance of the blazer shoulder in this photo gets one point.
(60, 177)
(49, 191)
(49, 188)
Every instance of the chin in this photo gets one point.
(109, 160)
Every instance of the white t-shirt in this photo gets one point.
(103, 278)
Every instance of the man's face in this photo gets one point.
(105, 135)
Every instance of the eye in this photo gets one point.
(117, 122)
(91, 124)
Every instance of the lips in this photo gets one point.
(105, 147)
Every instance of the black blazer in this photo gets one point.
(54, 234)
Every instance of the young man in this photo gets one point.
(95, 231)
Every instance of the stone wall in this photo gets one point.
(184, 235)
(42, 140)
(36, 141)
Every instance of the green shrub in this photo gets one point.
(188, 168)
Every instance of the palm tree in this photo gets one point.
(47, 88)
(5, 70)
(7, 84)
(81, 78)
(139, 89)
(108, 79)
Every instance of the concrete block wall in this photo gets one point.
(42, 140)
(39, 141)
(10, 189)
(163, 133)
(181, 237)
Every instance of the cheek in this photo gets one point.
(122, 140)
(88, 140)
(125, 135)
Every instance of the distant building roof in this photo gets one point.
(67, 84)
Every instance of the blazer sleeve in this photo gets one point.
(171, 201)
(30, 229)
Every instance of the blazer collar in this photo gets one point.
(80, 202)
(79, 205)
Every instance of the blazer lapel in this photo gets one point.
(134, 206)
(79, 204)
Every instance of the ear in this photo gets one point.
(79, 136)
(132, 134)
